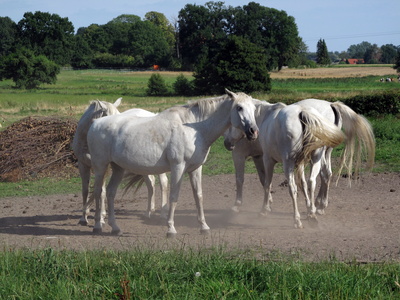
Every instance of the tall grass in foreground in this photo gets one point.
(187, 274)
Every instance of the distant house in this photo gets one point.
(355, 61)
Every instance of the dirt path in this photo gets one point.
(361, 222)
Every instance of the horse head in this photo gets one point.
(242, 115)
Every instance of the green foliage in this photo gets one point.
(186, 274)
(156, 86)
(236, 64)
(183, 86)
(386, 103)
(47, 34)
(27, 70)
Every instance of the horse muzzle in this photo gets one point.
(229, 145)
(252, 133)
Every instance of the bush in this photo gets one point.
(387, 103)
(107, 60)
(156, 86)
(183, 87)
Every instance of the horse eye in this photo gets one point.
(239, 108)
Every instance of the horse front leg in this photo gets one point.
(163, 178)
(239, 163)
(150, 183)
(195, 181)
(176, 181)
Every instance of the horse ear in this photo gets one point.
(118, 102)
(232, 95)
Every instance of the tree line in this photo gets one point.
(225, 46)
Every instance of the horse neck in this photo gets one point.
(216, 121)
(87, 119)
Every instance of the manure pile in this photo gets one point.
(37, 147)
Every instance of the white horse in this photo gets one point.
(176, 140)
(356, 129)
(289, 134)
(98, 109)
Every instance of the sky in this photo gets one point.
(341, 23)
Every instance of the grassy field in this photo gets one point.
(187, 273)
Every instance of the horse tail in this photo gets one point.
(317, 133)
(360, 140)
(131, 181)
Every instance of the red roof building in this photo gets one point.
(355, 61)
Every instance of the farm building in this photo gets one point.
(355, 61)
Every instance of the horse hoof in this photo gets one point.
(205, 231)
(312, 221)
(298, 225)
(171, 235)
(83, 223)
(97, 231)
(235, 209)
(320, 211)
(263, 214)
(117, 232)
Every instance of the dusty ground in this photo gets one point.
(361, 223)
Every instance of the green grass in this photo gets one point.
(187, 274)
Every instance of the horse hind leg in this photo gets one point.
(84, 172)
(150, 183)
(325, 175)
(164, 195)
(289, 172)
(239, 162)
(115, 180)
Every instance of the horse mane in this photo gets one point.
(262, 105)
(205, 105)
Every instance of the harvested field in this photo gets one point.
(334, 72)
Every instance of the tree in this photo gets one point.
(372, 55)
(200, 27)
(148, 45)
(270, 29)
(389, 53)
(322, 53)
(47, 34)
(83, 55)
(27, 70)
(8, 35)
(236, 64)
(397, 62)
(358, 50)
